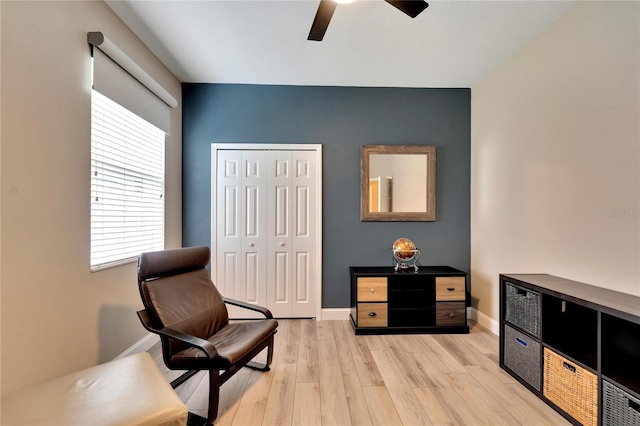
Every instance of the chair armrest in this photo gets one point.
(264, 311)
(203, 345)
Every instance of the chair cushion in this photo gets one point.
(233, 341)
(171, 262)
(127, 391)
(187, 302)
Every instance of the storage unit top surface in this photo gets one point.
(424, 270)
(622, 302)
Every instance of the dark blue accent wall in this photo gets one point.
(341, 119)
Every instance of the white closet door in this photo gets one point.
(279, 234)
(291, 212)
(241, 226)
(266, 238)
(304, 234)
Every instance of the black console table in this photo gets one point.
(576, 346)
(430, 300)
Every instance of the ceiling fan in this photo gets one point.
(327, 7)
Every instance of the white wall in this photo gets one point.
(555, 177)
(57, 316)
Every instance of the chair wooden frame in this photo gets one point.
(184, 307)
(216, 379)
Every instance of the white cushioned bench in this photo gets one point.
(127, 391)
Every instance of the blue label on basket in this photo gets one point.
(522, 342)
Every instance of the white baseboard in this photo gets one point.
(141, 345)
(334, 314)
(484, 320)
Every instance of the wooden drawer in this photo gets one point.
(450, 313)
(372, 289)
(372, 315)
(450, 288)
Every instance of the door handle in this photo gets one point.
(251, 244)
(281, 244)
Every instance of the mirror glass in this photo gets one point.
(398, 183)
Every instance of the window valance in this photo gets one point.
(118, 77)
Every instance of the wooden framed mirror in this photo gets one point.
(398, 183)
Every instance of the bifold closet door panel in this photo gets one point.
(279, 213)
(305, 239)
(291, 242)
(241, 255)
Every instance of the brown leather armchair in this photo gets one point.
(183, 306)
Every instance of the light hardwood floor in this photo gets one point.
(322, 374)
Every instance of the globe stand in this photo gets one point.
(403, 262)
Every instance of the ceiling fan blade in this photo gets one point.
(412, 8)
(321, 21)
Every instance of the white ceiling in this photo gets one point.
(368, 43)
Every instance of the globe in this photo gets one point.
(404, 249)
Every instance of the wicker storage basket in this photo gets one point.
(522, 308)
(571, 388)
(618, 407)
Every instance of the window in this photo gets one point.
(127, 156)
(127, 184)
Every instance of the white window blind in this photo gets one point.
(127, 184)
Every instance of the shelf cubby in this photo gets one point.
(571, 329)
(621, 351)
